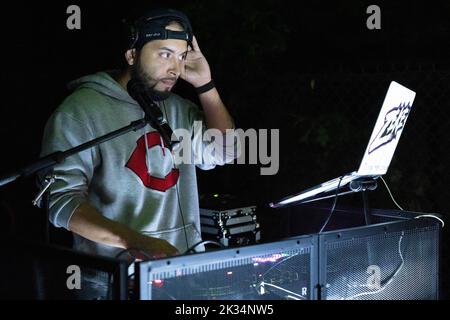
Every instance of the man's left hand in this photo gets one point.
(197, 71)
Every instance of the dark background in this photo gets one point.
(311, 69)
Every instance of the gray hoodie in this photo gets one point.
(130, 179)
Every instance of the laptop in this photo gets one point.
(380, 149)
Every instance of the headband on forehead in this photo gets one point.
(152, 26)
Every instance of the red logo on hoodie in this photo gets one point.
(159, 157)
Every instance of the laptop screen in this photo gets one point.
(388, 128)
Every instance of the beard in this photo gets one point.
(138, 72)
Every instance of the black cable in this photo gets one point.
(204, 242)
(176, 187)
(182, 216)
(130, 249)
(334, 204)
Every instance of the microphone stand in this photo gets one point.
(59, 156)
(55, 158)
(363, 185)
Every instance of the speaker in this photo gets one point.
(275, 271)
(388, 261)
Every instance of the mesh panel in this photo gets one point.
(398, 265)
(282, 275)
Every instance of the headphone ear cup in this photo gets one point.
(129, 34)
(134, 36)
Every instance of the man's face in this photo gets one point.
(160, 62)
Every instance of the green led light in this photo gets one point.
(216, 195)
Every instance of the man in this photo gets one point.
(127, 193)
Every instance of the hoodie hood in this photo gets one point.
(103, 83)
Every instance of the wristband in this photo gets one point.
(205, 87)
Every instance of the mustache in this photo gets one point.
(169, 78)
